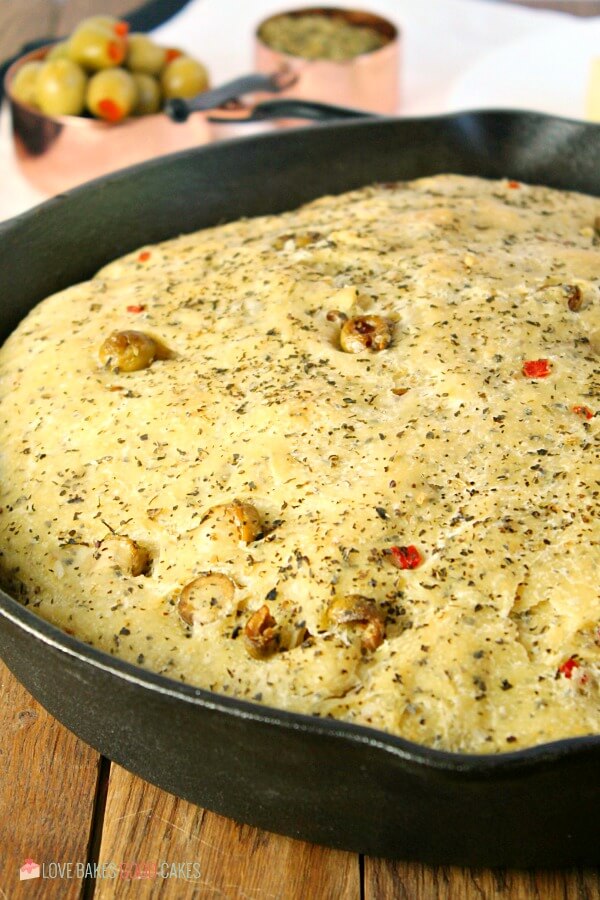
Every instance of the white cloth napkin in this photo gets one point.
(441, 39)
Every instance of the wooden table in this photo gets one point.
(60, 802)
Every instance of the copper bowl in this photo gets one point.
(368, 81)
(55, 153)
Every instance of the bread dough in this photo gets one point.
(472, 439)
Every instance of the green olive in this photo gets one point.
(59, 51)
(60, 88)
(360, 333)
(206, 598)
(355, 610)
(143, 55)
(124, 553)
(128, 351)
(97, 46)
(112, 95)
(184, 77)
(149, 97)
(23, 87)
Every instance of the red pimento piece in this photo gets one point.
(568, 667)
(406, 557)
(116, 51)
(110, 110)
(144, 256)
(536, 368)
(121, 28)
(135, 308)
(172, 54)
(584, 411)
(514, 184)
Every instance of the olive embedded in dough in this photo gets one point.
(261, 633)
(205, 598)
(336, 315)
(241, 519)
(124, 553)
(299, 240)
(574, 297)
(360, 333)
(128, 351)
(354, 609)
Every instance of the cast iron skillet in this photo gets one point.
(321, 780)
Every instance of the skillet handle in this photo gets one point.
(290, 108)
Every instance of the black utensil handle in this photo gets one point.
(179, 109)
(290, 108)
(308, 109)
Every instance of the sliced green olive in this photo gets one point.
(143, 55)
(60, 88)
(261, 633)
(23, 87)
(354, 609)
(149, 97)
(124, 553)
(360, 333)
(128, 351)
(111, 94)
(97, 46)
(205, 598)
(239, 521)
(184, 77)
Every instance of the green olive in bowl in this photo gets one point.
(149, 95)
(24, 83)
(111, 94)
(97, 46)
(184, 77)
(60, 88)
(143, 55)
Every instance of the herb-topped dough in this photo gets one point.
(341, 461)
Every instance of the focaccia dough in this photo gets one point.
(445, 441)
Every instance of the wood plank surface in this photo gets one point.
(413, 881)
(47, 791)
(208, 856)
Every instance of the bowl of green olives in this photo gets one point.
(93, 103)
